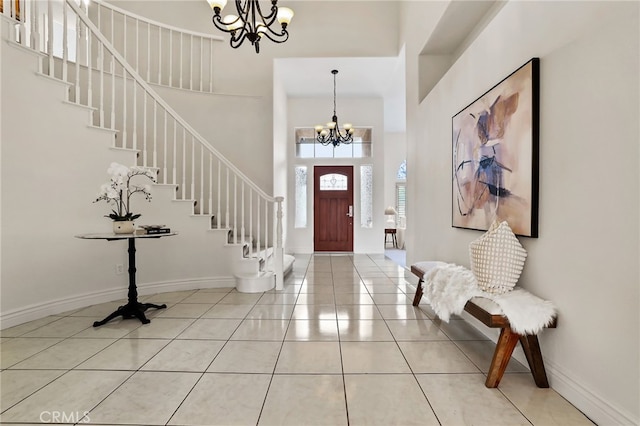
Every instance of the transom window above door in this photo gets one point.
(307, 147)
(333, 182)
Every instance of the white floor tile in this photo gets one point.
(462, 399)
(73, 392)
(387, 400)
(305, 400)
(160, 328)
(320, 312)
(228, 311)
(252, 329)
(357, 312)
(341, 344)
(148, 398)
(246, 357)
(21, 329)
(402, 312)
(67, 354)
(373, 357)
(540, 406)
(114, 329)
(204, 297)
(15, 385)
(64, 327)
(210, 328)
(363, 330)
(125, 354)
(421, 329)
(481, 354)
(185, 355)
(230, 399)
(436, 357)
(185, 310)
(312, 330)
(14, 350)
(280, 312)
(309, 358)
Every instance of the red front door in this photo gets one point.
(333, 208)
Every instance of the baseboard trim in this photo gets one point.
(58, 306)
(61, 305)
(180, 285)
(595, 407)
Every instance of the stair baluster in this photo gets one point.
(199, 164)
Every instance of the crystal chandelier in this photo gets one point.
(332, 134)
(250, 23)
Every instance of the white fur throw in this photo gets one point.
(448, 287)
(527, 314)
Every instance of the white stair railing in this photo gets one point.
(14, 11)
(11, 8)
(161, 53)
(99, 77)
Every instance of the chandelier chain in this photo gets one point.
(334, 93)
(332, 134)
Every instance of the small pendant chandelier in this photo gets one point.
(250, 23)
(332, 134)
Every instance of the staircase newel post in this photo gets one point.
(279, 258)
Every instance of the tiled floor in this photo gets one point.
(340, 345)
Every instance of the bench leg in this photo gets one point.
(531, 348)
(504, 348)
(418, 296)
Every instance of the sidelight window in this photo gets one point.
(366, 196)
(301, 197)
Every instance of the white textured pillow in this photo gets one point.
(497, 259)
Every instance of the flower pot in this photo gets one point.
(123, 227)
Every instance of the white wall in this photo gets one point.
(233, 124)
(50, 175)
(307, 112)
(586, 258)
(416, 21)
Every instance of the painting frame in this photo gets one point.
(495, 155)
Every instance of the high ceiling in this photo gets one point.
(312, 77)
(357, 77)
(381, 76)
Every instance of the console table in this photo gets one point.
(133, 308)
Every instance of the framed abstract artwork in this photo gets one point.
(495, 155)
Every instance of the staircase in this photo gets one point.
(73, 48)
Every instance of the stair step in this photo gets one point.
(255, 283)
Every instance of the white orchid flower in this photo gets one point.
(120, 189)
(116, 169)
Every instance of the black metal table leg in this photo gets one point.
(133, 309)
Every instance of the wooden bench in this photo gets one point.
(506, 342)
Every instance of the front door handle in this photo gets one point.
(350, 212)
